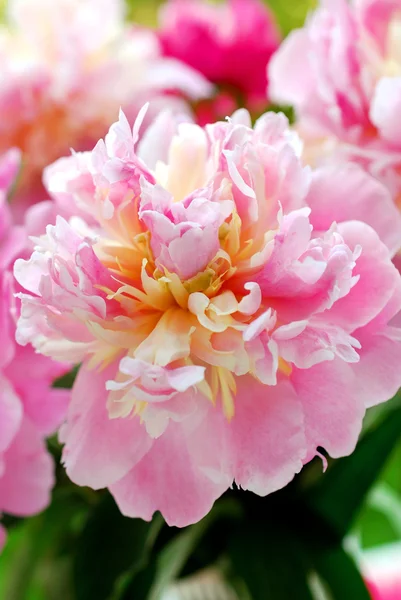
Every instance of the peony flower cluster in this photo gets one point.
(342, 72)
(231, 314)
(236, 38)
(30, 409)
(67, 67)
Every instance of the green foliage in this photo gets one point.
(36, 563)
(339, 495)
(109, 545)
(67, 381)
(337, 569)
(274, 564)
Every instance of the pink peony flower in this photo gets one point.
(29, 408)
(230, 44)
(342, 72)
(222, 337)
(67, 67)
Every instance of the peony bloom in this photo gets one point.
(222, 337)
(67, 66)
(342, 72)
(237, 39)
(29, 408)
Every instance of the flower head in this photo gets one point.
(222, 337)
(237, 39)
(342, 72)
(67, 66)
(29, 408)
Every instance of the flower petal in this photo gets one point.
(98, 450)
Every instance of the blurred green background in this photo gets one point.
(289, 13)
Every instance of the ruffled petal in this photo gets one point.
(329, 196)
(98, 450)
(168, 480)
(333, 407)
(267, 434)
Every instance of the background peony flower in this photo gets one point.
(342, 72)
(381, 567)
(67, 66)
(29, 408)
(223, 337)
(237, 39)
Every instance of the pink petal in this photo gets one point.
(346, 193)
(385, 109)
(289, 73)
(377, 278)
(98, 450)
(11, 413)
(333, 407)
(267, 434)
(378, 370)
(28, 478)
(168, 480)
(43, 405)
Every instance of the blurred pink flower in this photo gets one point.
(382, 568)
(230, 43)
(29, 408)
(342, 72)
(67, 67)
(222, 337)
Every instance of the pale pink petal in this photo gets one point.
(346, 193)
(375, 285)
(44, 406)
(378, 370)
(11, 413)
(317, 342)
(167, 479)
(263, 416)
(289, 75)
(385, 109)
(28, 478)
(333, 407)
(98, 450)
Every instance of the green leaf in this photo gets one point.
(338, 570)
(339, 495)
(36, 557)
(152, 581)
(109, 545)
(168, 563)
(271, 562)
(291, 13)
(67, 381)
